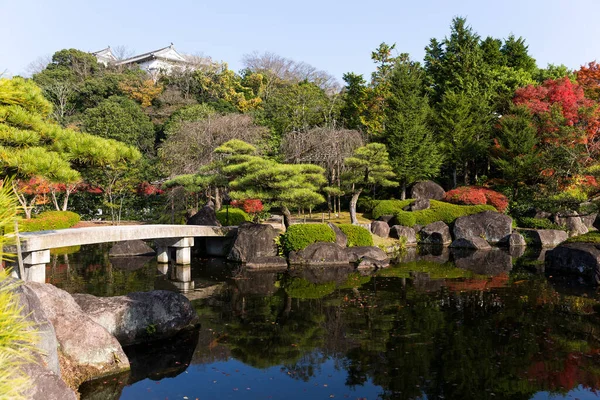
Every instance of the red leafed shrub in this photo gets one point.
(472, 195)
(252, 206)
(147, 189)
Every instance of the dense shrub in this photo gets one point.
(538, 223)
(357, 235)
(49, 220)
(590, 237)
(474, 195)
(439, 211)
(298, 236)
(236, 217)
(389, 207)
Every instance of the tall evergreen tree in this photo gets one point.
(414, 154)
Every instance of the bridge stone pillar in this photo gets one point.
(34, 263)
(182, 246)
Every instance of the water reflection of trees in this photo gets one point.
(454, 342)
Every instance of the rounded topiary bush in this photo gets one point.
(389, 207)
(298, 236)
(49, 220)
(357, 235)
(236, 217)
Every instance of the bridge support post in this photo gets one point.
(35, 266)
(182, 246)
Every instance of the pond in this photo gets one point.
(422, 329)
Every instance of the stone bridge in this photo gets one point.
(35, 246)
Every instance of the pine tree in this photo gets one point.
(369, 166)
(414, 154)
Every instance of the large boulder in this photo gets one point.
(267, 263)
(490, 225)
(206, 216)
(131, 248)
(515, 239)
(387, 218)
(46, 384)
(43, 370)
(253, 241)
(427, 190)
(380, 228)
(371, 255)
(399, 231)
(548, 237)
(140, 316)
(582, 259)
(340, 237)
(436, 233)
(320, 254)
(419, 204)
(589, 220)
(572, 221)
(87, 349)
(475, 243)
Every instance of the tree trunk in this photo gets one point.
(403, 192)
(287, 216)
(466, 181)
(353, 201)
(218, 204)
(454, 177)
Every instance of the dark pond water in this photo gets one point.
(479, 326)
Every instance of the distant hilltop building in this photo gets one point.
(158, 61)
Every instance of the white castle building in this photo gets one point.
(158, 61)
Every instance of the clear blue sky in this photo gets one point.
(335, 36)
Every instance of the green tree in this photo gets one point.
(354, 101)
(32, 146)
(414, 154)
(121, 119)
(369, 166)
(517, 153)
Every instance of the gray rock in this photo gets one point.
(218, 246)
(355, 254)
(561, 217)
(206, 216)
(427, 190)
(366, 263)
(542, 215)
(582, 259)
(548, 237)
(417, 228)
(31, 307)
(131, 263)
(490, 225)
(419, 204)
(131, 248)
(399, 231)
(516, 251)
(89, 347)
(320, 253)
(589, 220)
(140, 316)
(386, 218)
(253, 241)
(436, 233)
(45, 384)
(272, 262)
(340, 237)
(380, 228)
(515, 239)
(475, 243)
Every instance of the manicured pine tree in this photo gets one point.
(369, 166)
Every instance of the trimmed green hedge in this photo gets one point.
(357, 235)
(49, 220)
(298, 236)
(538, 223)
(438, 211)
(389, 207)
(236, 216)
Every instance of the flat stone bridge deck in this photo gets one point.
(35, 246)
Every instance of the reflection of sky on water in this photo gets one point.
(235, 380)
